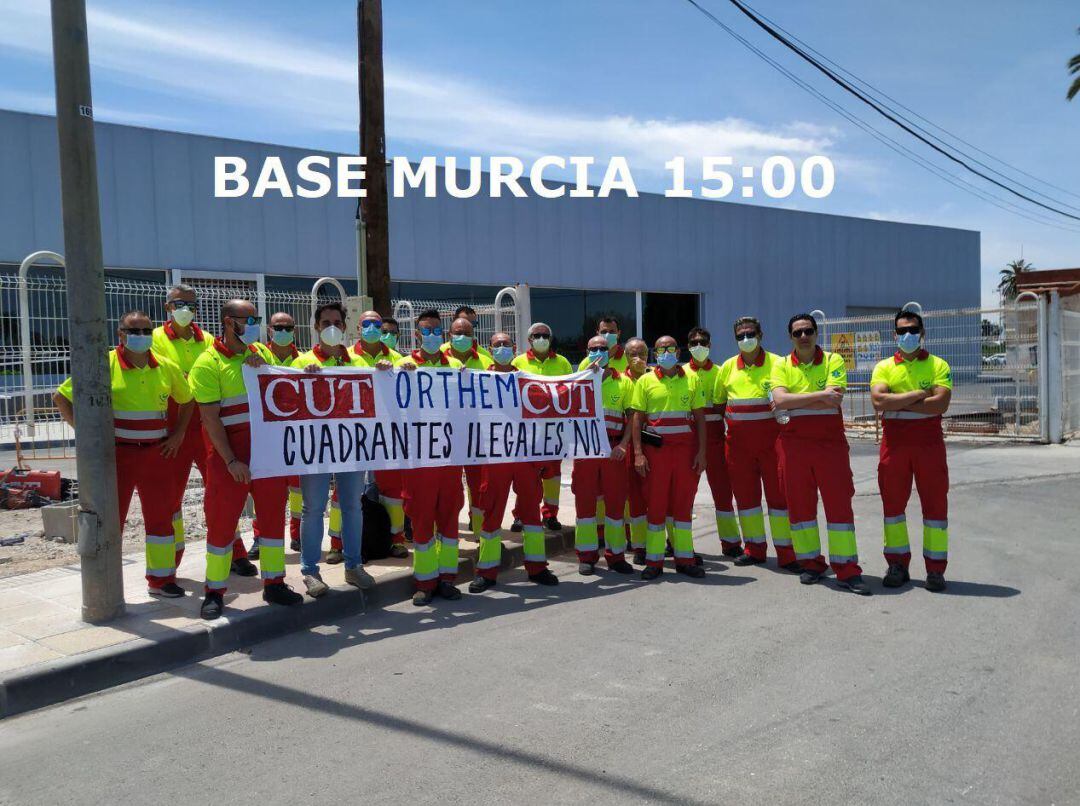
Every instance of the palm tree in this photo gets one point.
(1007, 284)
(1074, 69)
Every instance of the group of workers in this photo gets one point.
(759, 424)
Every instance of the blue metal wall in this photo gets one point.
(158, 211)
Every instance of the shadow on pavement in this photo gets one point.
(384, 721)
(953, 588)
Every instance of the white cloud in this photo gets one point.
(302, 85)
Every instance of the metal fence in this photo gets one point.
(500, 316)
(1070, 364)
(993, 353)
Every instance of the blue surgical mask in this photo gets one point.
(430, 342)
(249, 334)
(908, 342)
(598, 356)
(283, 338)
(503, 354)
(667, 360)
(612, 339)
(138, 343)
(389, 339)
(461, 343)
(371, 333)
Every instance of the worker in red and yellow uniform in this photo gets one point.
(217, 382)
(671, 403)
(742, 388)
(591, 477)
(912, 389)
(182, 341)
(699, 341)
(463, 347)
(494, 492)
(378, 338)
(433, 495)
(637, 365)
(143, 387)
(467, 312)
(282, 344)
(808, 387)
(541, 359)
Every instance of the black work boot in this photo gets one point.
(243, 567)
(281, 594)
(552, 525)
(639, 557)
(935, 581)
(212, 606)
(652, 572)
(810, 577)
(545, 577)
(896, 576)
(734, 551)
(421, 598)
(692, 571)
(586, 569)
(748, 559)
(447, 590)
(516, 526)
(620, 566)
(481, 584)
(855, 584)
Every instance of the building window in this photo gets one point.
(277, 283)
(462, 293)
(573, 315)
(668, 315)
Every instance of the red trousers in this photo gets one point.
(716, 471)
(636, 506)
(809, 467)
(900, 462)
(594, 478)
(495, 486)
(750, 452)
(224, 502)
(433, 501)
(670, 487)
(294, 522)
(143, 468)
(550, 507)
(192, 452)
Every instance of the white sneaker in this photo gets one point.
(359, 578)
(315, 586)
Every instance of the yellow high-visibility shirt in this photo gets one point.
(381, 353)
(483, 351)
(826, 369)
(742, 388)
(668, 403)
(616, 359)
(707, 374)
(140, 396)
(442, 361)
(218, 377)
(551, 364)
(288, 360)
(899, 375)
(316, 356)
(181, 352)
(617, 391)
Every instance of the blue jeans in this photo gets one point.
(316, 489)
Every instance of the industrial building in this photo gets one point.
(659, 264)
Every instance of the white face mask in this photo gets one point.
(541, 345)
(748, 345)
(182, 316)
(332, 336)
(700, 352)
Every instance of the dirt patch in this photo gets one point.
(37, 553)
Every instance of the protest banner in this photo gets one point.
(347, 419)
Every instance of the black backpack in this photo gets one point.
(376, 540)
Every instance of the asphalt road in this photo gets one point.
(745, 687)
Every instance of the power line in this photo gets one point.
(903, 151)
(874, 105)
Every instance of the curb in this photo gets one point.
(66, 678)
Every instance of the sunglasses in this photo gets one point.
(539, 336)
(181, 305)
(670, 350)
(698, 343)
(283, 328)
(138, 331)
(803, 331)
(746, 336)
(598, 349)
(250, 320)
(376, 323)
(431, 331)
(912, 329)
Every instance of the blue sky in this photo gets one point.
(646, 79)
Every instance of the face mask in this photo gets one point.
(249, 334)
(138, 343)
(700, 352)
(332, 336)
(431, 342)
(908, 342)
(748, 345)
(502, 355)
(461, 343)
(182, 316)
(541, 345)
(667, 360)
(612, 339)
(598, 356)
(389, 339)
(283, 338)
(370, 334)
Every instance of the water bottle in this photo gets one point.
(780, 415)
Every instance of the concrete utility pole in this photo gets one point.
(374, 207)
(95, 452)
